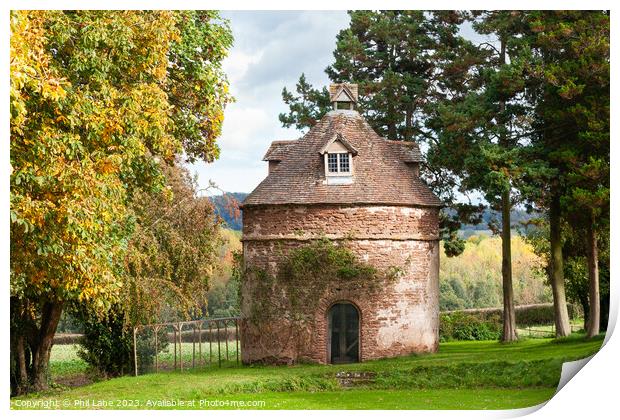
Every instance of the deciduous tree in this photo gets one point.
(95, 111)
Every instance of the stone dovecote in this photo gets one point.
(386, 214)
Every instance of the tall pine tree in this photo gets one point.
(405, 63)
(481, 135)
(568, 79)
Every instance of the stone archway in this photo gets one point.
(343, 332)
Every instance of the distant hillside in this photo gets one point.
(517, 217)
(225, 208)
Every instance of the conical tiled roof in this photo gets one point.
(381, 174)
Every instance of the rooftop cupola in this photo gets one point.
(343, 95)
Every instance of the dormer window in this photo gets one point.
(338, 155)
(338, 164)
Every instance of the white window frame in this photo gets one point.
(340, 149)
(338, 164)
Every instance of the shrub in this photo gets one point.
(527, 315)
(107, 344)
(62, 339)
(542, 314)
(463, 326)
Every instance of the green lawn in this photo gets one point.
(66, 367)
(462, 375)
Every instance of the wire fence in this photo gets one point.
(543, 331)
(184, 345)
(215, 342)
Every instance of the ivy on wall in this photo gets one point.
(304, 276)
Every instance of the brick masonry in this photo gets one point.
(400, 318)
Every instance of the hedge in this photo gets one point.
(67, 338)
(188, 336)
(464, 326)
(527, 315)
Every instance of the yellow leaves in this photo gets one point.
(151, 34)
(29, 66)
(75, 150)
(111, 127)
(74, 226)
(481, 262)
(62, 119)
(53, 89)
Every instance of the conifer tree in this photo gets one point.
(405, 63)
(480, 135)
(568, 80)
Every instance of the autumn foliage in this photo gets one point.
(100, 100)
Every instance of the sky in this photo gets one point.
(271, 50)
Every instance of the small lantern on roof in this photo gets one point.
(343, 95)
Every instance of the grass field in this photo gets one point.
(462, 375)
(548, 331)
(66, 367)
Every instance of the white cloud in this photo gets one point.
(237, 63)
(241, 127)
(230, 174)
(271, 50)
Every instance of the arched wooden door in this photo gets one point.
(344, 333)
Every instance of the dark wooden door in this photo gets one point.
(344, 333)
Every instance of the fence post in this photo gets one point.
(237, 338)
(135, 352)
(180, 324)
(193, 346)
(219, 355)
(210, 342)
(200, 342)
(156, 349)
(226, 334)
(175, 346)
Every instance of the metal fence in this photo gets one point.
(543, 331)
(186, 344)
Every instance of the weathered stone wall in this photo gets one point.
(401, 317)
(334, 221)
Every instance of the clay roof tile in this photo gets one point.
(381, 169)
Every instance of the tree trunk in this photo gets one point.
(562, 323)
(408, 124)
(41, 355)
(21, 374)
(594, 318)
(31, 346)
(510, 323)
(585, 306)
(392, 129)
